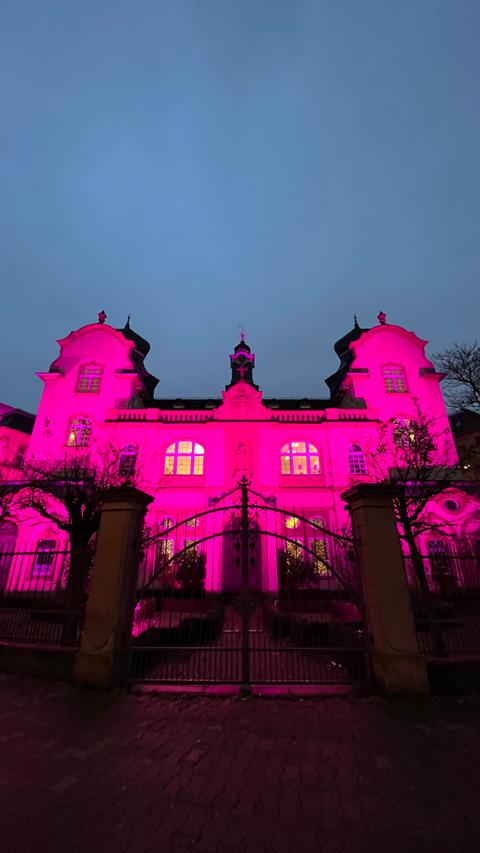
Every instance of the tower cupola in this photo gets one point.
(242, 362)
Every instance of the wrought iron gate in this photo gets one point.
(308, 630)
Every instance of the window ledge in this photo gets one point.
(301, 480)
(178, 481)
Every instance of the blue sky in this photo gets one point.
(203, 164)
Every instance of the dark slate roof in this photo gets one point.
(345, 354)
(283, 404)
(18, 419)
(186, 403)
(296, 403)
(142, 348)
(141, 344)
(464, 421)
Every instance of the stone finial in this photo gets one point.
(102, 317)
(382, 318)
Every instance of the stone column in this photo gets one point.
(398, 668)
(103, 657)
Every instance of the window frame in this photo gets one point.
(126, 454)
(37, 572)
(355, 453)
(85, 429)
(290, 453)
(94, 374)
(394, 380)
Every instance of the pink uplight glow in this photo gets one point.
(98, 394)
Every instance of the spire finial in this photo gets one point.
(355, 321)
(127, 324)
(382, 318)
(101, 316)
(242, 334)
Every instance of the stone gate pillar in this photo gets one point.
(102, 659)
(398, 668)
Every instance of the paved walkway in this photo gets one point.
(83, 771)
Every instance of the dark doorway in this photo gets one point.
(231, 559)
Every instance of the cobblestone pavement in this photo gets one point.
(85, 771)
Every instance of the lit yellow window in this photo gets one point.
(299, 457)
(79, 431)
(291, 522)
(319, 548)
(294, 549)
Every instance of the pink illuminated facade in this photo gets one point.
(299, 454)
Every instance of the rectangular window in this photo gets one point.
(299, 464)
(294, 549)
(285, 465)
(89, 379)
(184, 464)
(44, 557)
(194, 549)
(163, 552)
(394, 380)
(198, 464)
(79, 432)
(319, 548)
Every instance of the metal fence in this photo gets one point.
(445, 595)
(37, 606)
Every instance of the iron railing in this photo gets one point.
(37, 606)
(445, 595)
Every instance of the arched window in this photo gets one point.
(79, 432)
(127, 460)
(299, 457)
(184, 457)
(394, 378)
(89, 379)
(356, 460)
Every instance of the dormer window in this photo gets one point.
(79, 432)
(394, 378)
(89, 379)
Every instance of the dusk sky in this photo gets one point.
(206, 164)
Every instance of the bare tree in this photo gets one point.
(67, 493)
(461, 363)
(410, 454)
(7, 500)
